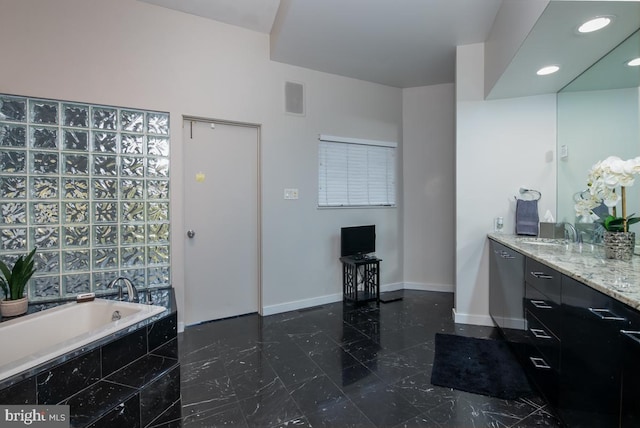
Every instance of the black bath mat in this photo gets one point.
(480, 366)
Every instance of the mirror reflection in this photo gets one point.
(598, 117)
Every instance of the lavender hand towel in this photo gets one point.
(527, 217)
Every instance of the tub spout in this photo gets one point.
(131, 289)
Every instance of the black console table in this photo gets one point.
(361, 279)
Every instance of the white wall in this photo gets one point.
(129, 53)
(500, 146)
(428, 129)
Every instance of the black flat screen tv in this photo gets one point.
(357, 240)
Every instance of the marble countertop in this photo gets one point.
(583, 262)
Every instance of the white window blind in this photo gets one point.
(354, 172)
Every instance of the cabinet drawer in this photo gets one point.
(542, 374)
(548, 281)
(543, 340)
(544, 309)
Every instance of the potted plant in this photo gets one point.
(13, 283)
(608, 180)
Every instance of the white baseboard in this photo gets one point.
(332, 298)
(459, 318)
(445, 288)
(180, 326)
(394, 286)
(301, 304)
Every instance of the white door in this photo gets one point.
(222, 258)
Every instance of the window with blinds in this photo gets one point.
(355, 172)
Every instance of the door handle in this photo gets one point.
(191, 234)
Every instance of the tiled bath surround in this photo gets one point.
(130, 380)
(89, 186)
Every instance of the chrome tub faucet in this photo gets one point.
(131, 289)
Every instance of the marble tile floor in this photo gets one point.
(337, 366)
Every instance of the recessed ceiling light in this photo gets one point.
(595, 24)
(549, 69)
(634, 62)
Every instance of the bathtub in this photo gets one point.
(33, 339)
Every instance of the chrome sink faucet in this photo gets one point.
(131, 289)
(576, 236)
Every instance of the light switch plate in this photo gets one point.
(291, 193)
(564, 152)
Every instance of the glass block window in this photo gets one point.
(89, 186)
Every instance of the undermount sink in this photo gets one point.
(548, 242)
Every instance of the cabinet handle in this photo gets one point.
(541, 275)
(506, 255)
(539, 363)
(540, 304)
(540, 334)
(606, 314)
(633, 335)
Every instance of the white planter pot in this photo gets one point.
(12, 308)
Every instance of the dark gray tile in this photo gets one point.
(158, 396)
(385, 407)
(226, 416)
(255, 382)
(475, 410)
(292, 371)
(162, 331)
(96, 401)
(342, 414)
(199, 371)
(305, 368)
(68, 378)
(539, 418)
(207, 395)
(170, 417)
(363, 350)
(125, 414)
(354, 379)
(245, 358)
(394, 367)
(333, 358)
(316, 394)
(417, 389)
(270, 409)
(316, 341)
(302, 422)
(123, 351)
(420, 421)
(143, 371)
(23, 392)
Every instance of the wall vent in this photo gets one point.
(294, 98)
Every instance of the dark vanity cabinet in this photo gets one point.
(578, 346)
(542, 307)
(506, 290)
(592, 356)
(629, 409)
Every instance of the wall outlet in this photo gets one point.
(291, 193)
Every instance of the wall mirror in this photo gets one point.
(598, 117)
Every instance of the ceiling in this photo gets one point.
(409, 43)
(554, 40)
(401, 43)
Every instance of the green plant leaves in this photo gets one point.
(15, 279)
(616, 224)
